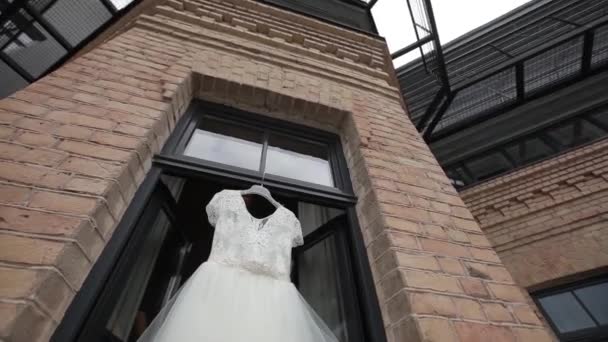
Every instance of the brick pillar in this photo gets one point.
(437, 276)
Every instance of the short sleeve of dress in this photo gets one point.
(298, 239)
(212, 208)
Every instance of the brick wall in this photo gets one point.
(76, 144)
(548, 221)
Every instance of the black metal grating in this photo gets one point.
(600, 46)
(477, 99)
(76, 20)
(544, 45)
(553, 65)
(38, 35)
(10, 79)
(34, 54)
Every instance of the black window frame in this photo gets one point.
(587, 115)
(596, 334)
(90, 299)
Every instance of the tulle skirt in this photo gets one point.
(225, 304)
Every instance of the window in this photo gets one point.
(164, 235)
(578, 312)
(548, 141)
(270, 152)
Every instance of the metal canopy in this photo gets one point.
(530, 52)
(38, 35)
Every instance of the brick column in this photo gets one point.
(437, 276)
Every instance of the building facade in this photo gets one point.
(523, 137)
(108, 161)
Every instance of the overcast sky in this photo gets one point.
(453, 17)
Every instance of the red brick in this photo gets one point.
(131, 130)
(526, 314)
(507, 293)
(6, 132)
(497, 312)
(437, 330)
(13, 194)
(444, 248)
(115, 140)
(474, 287)
(93, 150)
(75, 132)
(35, 139)
(533, 335)
(432, 304)
(35, 125)
(468, 331)
(16, 106)
(432, 281)
(88, 185)
(484, 254)
(81, 120)
(452, 266)
(8, 118)
(32, 175)
(32, 221)
(469, 309)
(401, 225)
(63, 202)
(91, 167)
(419, 261)
(61, 104)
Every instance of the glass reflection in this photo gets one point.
(300, 160)
(226, 144)
(318, 270)
(566, 313)
(595, 298)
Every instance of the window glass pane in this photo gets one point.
(488, 166)
(227, 144)
(120, 4)
(29, 45)
(10, 81)
(566, 313)
(528, 150)
(595, 299)
(575, 133)
(296, 159)
(130, 305)
(76, 20)
(601, 116)
(319, 285)
(318, 270)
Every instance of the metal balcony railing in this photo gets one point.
(38, 35)
(574, 56)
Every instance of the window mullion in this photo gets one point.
(580, 302)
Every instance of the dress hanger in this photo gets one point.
(261, 191)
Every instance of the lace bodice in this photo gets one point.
(261, 246)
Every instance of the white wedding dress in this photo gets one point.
(243, 292)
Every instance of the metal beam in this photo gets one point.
(109, 6)
(519, 81)
(438, 115)
(443, 74)
(409, 8)
(430, 109)
(48, 27)
(587, 51)
(534, 52)
(411, 47)
(16, 67)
